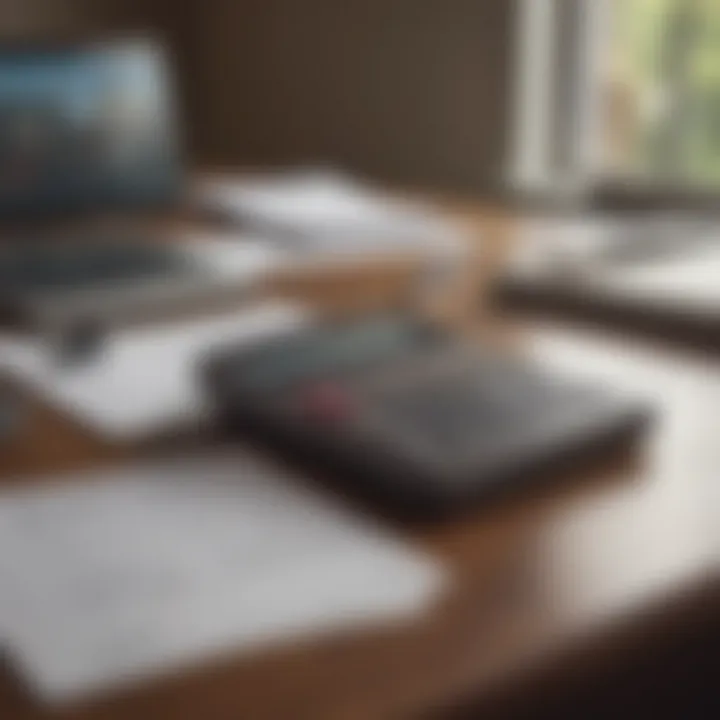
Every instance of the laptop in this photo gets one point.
(90, 129)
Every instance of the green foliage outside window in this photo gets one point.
(669, 54)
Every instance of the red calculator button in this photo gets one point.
(327, 402)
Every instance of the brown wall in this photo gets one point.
(33, 17)
(36, 16)
(410, 91)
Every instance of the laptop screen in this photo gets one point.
(86, 127)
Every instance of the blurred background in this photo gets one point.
(458, 94)
(475, 108)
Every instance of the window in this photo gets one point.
(663, 91)
(622, 93)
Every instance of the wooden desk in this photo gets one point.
(549, 591)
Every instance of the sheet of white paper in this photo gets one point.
(114, 576)
(234, 255)
(328, 213)
(145, 381)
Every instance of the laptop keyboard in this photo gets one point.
(75, 266)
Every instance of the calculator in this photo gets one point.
(405, 414)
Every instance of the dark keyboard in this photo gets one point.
(469, 409)
(58, 267)
(313, 354)
(405, 415)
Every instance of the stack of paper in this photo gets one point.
(690, 282)
(323, 217)
(656, 263)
